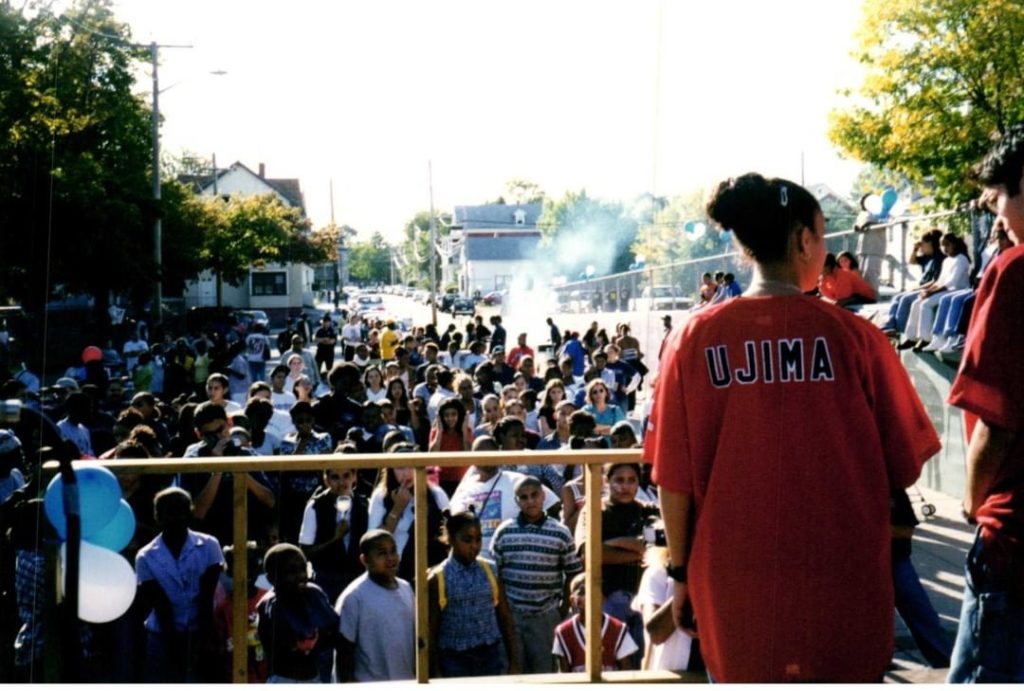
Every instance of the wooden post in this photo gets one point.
(422, 598)
(592, 556)
(240, 579)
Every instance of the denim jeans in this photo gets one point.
(990, 641)
(482, 661)
(899, 310)
(951, 307)
(258, 370)
(917, 613)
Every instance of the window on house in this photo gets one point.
(520, 217)
(269, 283)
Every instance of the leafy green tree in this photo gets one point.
(256, 229)
(75, 148)
(585, 233)
(415, 249)
(941, 77)
(370, 261)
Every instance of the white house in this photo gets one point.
(274, 288)
(499, 242)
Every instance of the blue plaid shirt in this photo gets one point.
(469, 619)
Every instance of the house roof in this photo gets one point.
(496, 216)
(289, 188)
(821, 192)
(502, 247)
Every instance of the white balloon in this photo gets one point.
(106, 583)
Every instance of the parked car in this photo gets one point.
(447, 300)
(495, 297)
(463, 306)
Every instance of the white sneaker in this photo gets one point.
(938, 343)
(955, 343)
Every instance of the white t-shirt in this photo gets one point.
(656, 589)
(280, 424)
(352, 334)
(283, 401)
(381, 624)
(375, 396)
(401, 532)
(132, 350)
(500, 506)
(257, 347)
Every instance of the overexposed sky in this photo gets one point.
(619, 98)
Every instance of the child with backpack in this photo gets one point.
(471, 625)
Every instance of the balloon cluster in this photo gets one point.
(106, 581)
(877, 208)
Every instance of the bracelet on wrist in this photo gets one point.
(676, 573)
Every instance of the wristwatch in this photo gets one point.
(676, 573)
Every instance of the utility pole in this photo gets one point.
(433, 248)
(158, 258)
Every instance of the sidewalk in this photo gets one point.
(940, 545)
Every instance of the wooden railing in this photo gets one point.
(592, 460)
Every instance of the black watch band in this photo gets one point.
(676, 573)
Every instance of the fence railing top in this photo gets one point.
(240, 464)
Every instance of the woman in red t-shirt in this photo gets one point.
(779, 425)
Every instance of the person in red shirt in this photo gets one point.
(990, 641)
(779, 425)
(520, 350)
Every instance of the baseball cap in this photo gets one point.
(67, 383)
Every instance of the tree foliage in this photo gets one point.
(414, 253)
(588, 233)
(942, 77)
(370, 261)
(74, 156)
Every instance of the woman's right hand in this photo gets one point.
(401, 496)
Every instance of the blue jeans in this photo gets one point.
(917, 613)
(951, 307)
(990, 641)
(258, 370)
(482, 661)
(899, 310)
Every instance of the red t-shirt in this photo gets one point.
(989, 386)
(450, 441)
(786, 420)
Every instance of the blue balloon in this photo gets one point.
(118, 532)
(99, 498)
(889, 199)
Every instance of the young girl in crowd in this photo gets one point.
(391, 508)
(450, 433)
(554, 392)
(470, 620)
(373, 382)
(623, 520)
